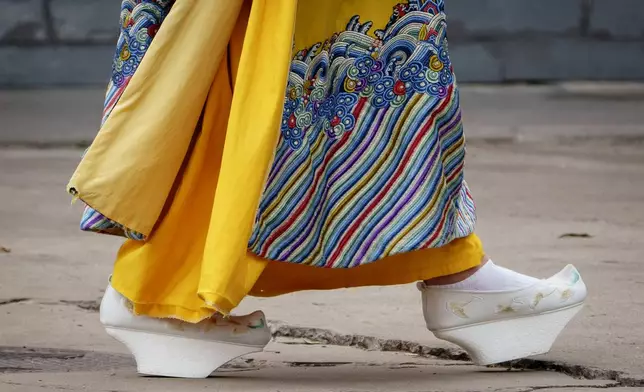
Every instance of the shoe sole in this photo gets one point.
(176, 356)
(510, 339)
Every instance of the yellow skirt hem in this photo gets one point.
(280, 278)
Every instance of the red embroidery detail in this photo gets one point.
(399, 88)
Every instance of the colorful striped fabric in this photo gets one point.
(140, 20)
(370, 158)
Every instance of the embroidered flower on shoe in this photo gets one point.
(566, 295)
(538, 298)
(458, 308)
(512, 306)
(505, 309)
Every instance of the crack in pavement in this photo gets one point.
(370, 343)
(13, 301)
(92, 306)
(89, 305)
(575, 387)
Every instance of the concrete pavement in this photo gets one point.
(292, 367)
(546, 200)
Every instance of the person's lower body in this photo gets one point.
(227, 187)
(495, 314)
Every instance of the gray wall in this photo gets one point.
(70, 42)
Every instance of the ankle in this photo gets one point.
(458, 277)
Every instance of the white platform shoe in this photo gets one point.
(172, 348)
(501, 326)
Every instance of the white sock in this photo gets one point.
(492, 277)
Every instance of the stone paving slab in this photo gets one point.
(86, 21)
(621, 19)
(491, 40)
(22, 22)
(495, 18)
(287, 367)
(583, 389)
